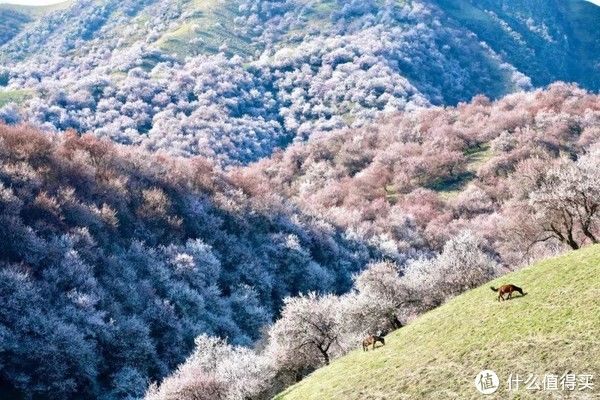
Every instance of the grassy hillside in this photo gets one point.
(554, 329)
(14, 96)
(209, 26)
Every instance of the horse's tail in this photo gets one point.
(493, 288)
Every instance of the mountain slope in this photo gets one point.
(554, 329)
(15, 18)
(112, 261)
(234, 80)
(546, 40)
(13, 22)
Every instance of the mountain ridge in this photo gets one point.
(283, 69)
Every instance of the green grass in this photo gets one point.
(451, 186)
(554, 329)
(212, 22)
(477, 156)
(14, 96)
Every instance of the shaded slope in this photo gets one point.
(113, 260)
(546, 40)
(553, 329)
(12, 21)
(15, 18)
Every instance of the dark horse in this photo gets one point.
(371, 340)
(504, 289)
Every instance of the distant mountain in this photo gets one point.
(546, 40)
(16, 17)
(235, 79)
(12, 22)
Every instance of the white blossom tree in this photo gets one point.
(216, 371)
(566, 206)
(308, 332)
(384, 299)
(462, 265)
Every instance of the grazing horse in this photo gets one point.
(502, 290)
(371, 340)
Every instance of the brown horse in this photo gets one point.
(504, 289)
(371, 340)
